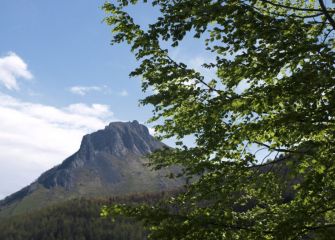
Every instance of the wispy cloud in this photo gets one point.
(12, 67)
(195, 62)
(95, 110)
(123, 93)
(35, 137)
(83, 90)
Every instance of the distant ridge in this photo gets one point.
(109, 162)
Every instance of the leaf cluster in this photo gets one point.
(281, 54)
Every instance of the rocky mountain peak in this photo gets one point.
(100, 150)
(119, 139)
(110, 162)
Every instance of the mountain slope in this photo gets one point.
(74, 219)
(79, 219)
(109, 162)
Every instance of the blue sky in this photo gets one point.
(60, 78)
(65, 44)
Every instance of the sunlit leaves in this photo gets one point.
(281, 54)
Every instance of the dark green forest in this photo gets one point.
(77, 219)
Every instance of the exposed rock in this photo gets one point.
(109, 162)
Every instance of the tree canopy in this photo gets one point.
(281, 54)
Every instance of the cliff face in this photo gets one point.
(109, 162)
(105, 156)
(119, 139)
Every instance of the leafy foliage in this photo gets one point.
(282, 53)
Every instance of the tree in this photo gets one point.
(282, 53)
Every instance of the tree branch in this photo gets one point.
(201, 81)
(326, 36)
(293, 8)
(277, 149)
(326, 13)
(278, 160)
(320, 227)
(259, 10)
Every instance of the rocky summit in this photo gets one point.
(110, 162)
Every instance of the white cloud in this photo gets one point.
(13, 67)
(93, 110)
(124, 93)
(35, 137)
(83, 90)
(152, 131)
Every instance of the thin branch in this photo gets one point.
(277, 149)
(294, 8)
(326, 13)
(259, 166)
(259, 10)
(244, 148)
(307, 16)
(326, 36)
(261, 149)
(201, 81)
(273, 162)
(266, 157)
(320, 227)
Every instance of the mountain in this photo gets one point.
(109, 162)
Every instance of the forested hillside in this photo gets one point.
(77, 219)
